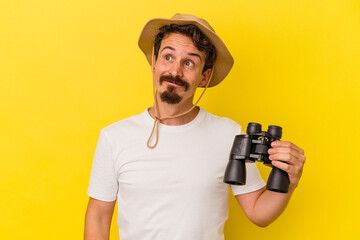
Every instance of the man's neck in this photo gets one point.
(169, 110)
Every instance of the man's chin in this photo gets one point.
(170, 97)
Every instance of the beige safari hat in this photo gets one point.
(224, 61)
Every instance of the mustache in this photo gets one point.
(177, 80)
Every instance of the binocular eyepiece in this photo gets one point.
(254, 147)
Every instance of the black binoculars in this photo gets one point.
(254, 147)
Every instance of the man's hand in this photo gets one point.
(262, 207)
(288, 157)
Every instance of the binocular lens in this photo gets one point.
(235, 172)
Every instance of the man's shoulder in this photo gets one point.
(219, 121)
(126, 124)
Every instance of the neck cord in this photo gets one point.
(158, 118)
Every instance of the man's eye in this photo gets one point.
(168, 57)
(189, 63)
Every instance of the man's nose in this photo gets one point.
(176, 69)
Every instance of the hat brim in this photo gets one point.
(223, 63)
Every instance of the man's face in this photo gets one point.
(178, 69)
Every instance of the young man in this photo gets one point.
(172, 187)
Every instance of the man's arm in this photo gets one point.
(98, 219)
(262, 207)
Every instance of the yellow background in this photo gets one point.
(69, 68)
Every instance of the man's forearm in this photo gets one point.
(98, 219)
(96, 229)
(269, 206)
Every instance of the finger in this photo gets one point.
(284, 157)
(293, 170)
(283, 166)
(291, 151)
(287, 144)
(293, 158)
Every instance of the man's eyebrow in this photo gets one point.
(173, 49)
(195, 54)
(168, 47)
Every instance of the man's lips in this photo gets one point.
(172, 82)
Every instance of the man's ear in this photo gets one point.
(153, 64)
(205, 77)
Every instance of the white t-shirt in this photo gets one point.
(174, 191)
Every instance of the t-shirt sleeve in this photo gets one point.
(103, 183)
